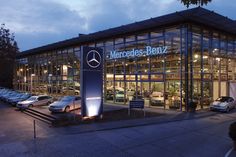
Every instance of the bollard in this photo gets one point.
(34, 130)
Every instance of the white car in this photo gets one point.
(157, 98)
(71, 90)
(223, 103)
(65, 104)
(120, 96)
(35, 101)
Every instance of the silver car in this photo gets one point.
(223, 103)
(157, 98)
(35, 101)
(66, 104)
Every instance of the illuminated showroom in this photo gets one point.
(166, 61)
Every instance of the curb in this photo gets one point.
(129, 124)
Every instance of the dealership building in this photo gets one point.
(167, 61)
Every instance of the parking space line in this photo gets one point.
(229, 152)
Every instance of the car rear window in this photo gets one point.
(44, 97)
(223, 99)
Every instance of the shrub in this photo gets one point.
(192, 106)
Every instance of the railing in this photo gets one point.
(41, 116)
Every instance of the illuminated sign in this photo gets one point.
(147, 51)
(91, 82)
(93, 59)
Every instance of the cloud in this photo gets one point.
(40, 22)
(105, 14)
(31, 20)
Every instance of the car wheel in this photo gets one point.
(67, 109)
(227, 109)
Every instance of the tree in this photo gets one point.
(8, 50)
(195, 2)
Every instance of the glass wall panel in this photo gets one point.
(157, 97)
(202, 58)
(172, 94)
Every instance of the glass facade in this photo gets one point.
(200, 64)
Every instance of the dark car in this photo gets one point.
(109, 95)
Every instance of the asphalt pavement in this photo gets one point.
(177, 134)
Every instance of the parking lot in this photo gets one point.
(207, 135)
(18, 126)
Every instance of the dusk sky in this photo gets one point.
(40, 22)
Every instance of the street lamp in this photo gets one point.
(49, 83)
(25, 80)
(31, 82)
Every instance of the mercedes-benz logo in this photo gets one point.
(93, 59)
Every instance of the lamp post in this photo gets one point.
(25, 80)
(49, 83)
(31, 82)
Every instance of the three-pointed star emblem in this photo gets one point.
(93, 59)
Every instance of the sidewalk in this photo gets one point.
(232, 154)
(166, 117)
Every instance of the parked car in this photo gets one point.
(109, 94)
(22, 98)
(66, 104)
(6, 94)
(130, 92)
(14, 96)
(157, 99)
(120, 96)
(71, 90)
(223, 103)
(35, 101)
(137, 96)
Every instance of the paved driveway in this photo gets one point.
(205, 137)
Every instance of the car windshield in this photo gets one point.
(222, 99)
(157, 94)
(67, 98)
(120, 92)
(24, 96)
(77, 88)
(32, 98)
